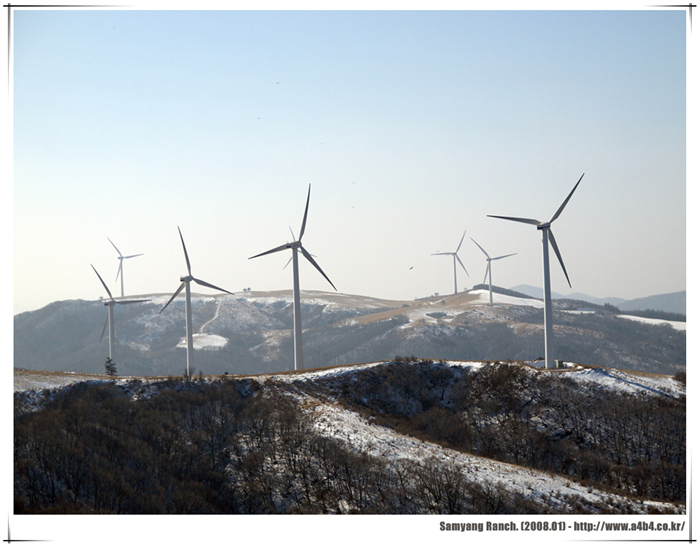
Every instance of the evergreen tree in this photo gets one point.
(110, 367)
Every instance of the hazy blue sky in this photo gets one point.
(411, 127)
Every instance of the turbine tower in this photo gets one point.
(110, 314)
(296, 246)
(122, 258)
(488, 268)
(188, 303)
(547, 237)
(455, 259)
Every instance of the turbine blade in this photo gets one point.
(310, 259)
(205, 284)
(306, 211)
(132, 256)
(103, 283)
(460, 241)
(294, 238)
(517, 219)
(561, 207)
(486, 273)
(436, 254)
(179, 289)
(113, 245)
(131, 301)
(288, 261)
(119, 270)
(556, 250)
(187, 258)
(460, 263)
(276, 249)
(104, 328)
(480, 247)
(504, 256)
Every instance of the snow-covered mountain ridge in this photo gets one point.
(251, 333)
(631, 381)
(380, 410)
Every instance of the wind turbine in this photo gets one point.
(547, 237)
(122, 258)
(296, 246)
(488, 268)
(455, 259)
(188, 303)
(110, 314)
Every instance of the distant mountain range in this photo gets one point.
(251, 333)
(670, 302)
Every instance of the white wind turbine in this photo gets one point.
(547, 237)
(110, 314)
(188, 303)
(296, 246)
(488, 268)
(455, 259)
(122, 258)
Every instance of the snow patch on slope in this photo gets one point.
(678, 325)
(358, 434)
(498, 298)
(630, 383)
(205, 342)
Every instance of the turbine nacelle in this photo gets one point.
(297, 246)
(547, 226)
(455, 259)
(122, 258)
(188, 278)
(110, 304)
(488, 267)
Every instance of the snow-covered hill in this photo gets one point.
(319, 394)
(251, 333)
(558, 491)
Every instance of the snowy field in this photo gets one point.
(26, 380)
(205, 341)
(678, 325)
